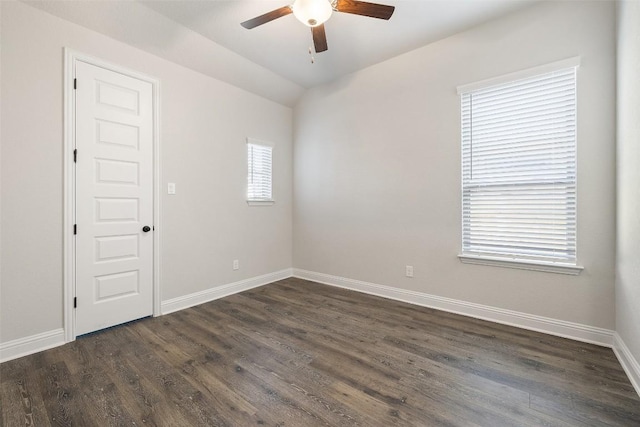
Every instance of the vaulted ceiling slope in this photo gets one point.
(135, 24)
(273, 60)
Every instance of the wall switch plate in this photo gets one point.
(236, 264)
(408, 271)
(171, 188)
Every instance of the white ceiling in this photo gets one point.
(273, 60)
(355, 42)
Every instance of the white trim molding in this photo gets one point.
(572, 270)
(196, 298)
(260, 202)
(522, 74)
(55, 338)
(628, 362)
(561, 328)
(32, 344)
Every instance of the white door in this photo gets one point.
(114, 198)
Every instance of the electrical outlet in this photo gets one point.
(171, 188)
(408, 271)
(236, 264)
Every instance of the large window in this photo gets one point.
(259, 179)
(519, 172)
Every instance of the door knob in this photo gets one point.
(146, 228)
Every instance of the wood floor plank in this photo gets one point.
(263, 360)
(380, 413)
(144, 402)
(298, 353)
(203, 367)
(192, 403)
(62, 398)
(23, 403)
(102, 399)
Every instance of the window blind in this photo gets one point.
(519, 169)
(260, 173)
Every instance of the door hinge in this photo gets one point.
(75, 228)
(75, 84)
(75, 302)
(75, 155)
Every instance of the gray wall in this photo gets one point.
(377, 166)
(206, 224)
(628, 248)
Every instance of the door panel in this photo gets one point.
(117, 247)
(114, 198)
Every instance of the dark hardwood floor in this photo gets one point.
(297, 353)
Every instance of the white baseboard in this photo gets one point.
(604, 337)
(562, 328)
(186, 301)
(46, 340)
(32, 344)
(628, 362)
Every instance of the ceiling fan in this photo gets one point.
(314, 13)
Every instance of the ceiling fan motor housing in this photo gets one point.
(312, 12)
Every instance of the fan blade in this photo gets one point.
(267, 17)
(373, 10)
(319, 38)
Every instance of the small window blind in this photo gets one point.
(519, 169)
(260, 172)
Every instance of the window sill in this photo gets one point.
(260, 202)
(558, 268)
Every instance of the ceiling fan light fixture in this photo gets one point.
(312, 12)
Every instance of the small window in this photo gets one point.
(519, 172)
(260, 172)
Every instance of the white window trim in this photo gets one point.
(522, 74)
(532, 265)
(261, 202)
(550, 267)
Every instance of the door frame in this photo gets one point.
(71, 57)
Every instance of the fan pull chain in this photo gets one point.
(313, 60)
